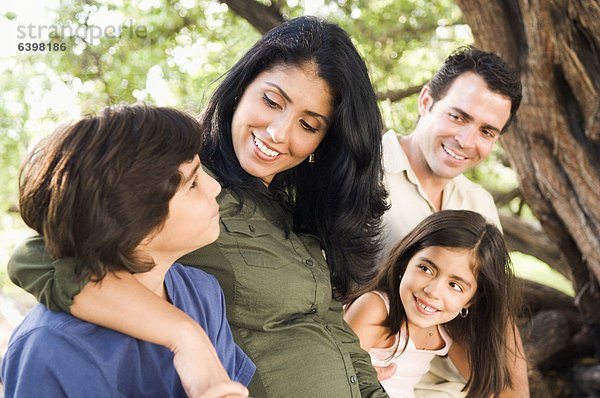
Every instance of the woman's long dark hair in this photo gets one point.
(340, 198)
(484, 331)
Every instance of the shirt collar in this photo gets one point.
(395, 159)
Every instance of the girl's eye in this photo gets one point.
(270, 102)
(456, 286)
(308, 127)
(425, 269)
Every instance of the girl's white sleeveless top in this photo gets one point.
(412, 363)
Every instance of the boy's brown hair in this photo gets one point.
(96, 188)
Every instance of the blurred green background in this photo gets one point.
(169, 52)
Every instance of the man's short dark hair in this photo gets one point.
(499, 76)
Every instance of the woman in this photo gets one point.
(293, 134)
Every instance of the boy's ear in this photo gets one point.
(148, 238)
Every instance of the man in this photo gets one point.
(470, 101)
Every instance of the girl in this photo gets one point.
(446, 288)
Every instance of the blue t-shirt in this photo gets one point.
(52, 354)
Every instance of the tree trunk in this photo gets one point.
(262, 17)
(555, 144)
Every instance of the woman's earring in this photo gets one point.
(464, 312)
(311, 158)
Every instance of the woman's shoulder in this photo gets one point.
(244, 204)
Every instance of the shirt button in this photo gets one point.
(312, 311)
(309, 262)
(251, 228)
(352, 379)
(328, 328)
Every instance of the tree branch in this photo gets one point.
(504, 198)
(263, 18)
(406, 30)
(529, 238)
(397, 95)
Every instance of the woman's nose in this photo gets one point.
(279, 129)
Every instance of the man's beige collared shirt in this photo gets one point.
(409, 203)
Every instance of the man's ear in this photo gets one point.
(425, 100)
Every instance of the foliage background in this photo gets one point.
(189, 44)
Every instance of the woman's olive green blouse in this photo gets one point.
(279, 303)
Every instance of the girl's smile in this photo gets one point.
(424, 307)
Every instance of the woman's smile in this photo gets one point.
(263, 150)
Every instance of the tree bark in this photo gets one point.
(549, 334)
(539, 297)
(527, 237)
(555, 143)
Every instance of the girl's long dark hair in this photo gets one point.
(484, 332)
(340, 198)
